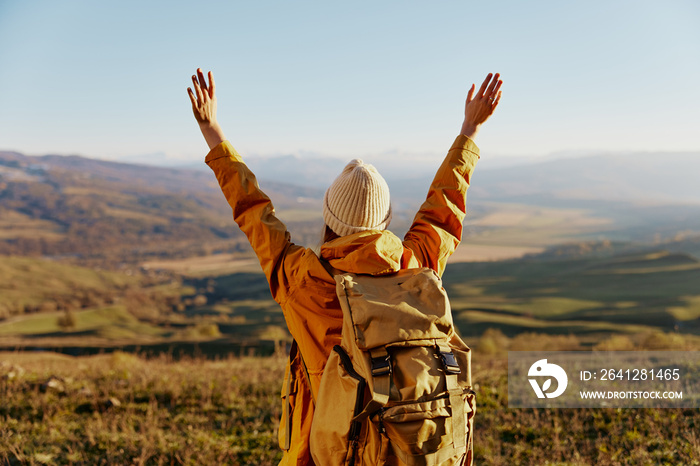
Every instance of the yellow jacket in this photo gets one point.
(303, 287)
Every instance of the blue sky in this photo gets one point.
(345, 79)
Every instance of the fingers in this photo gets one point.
(202, 91)
(495, 102)
(484, 84)
(211, 85)
(202, 80)
(496, 90)
(193, 99)
(197, 89)
(470, 94)
(492, 86)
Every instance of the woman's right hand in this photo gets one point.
(480, 106)
(203, 101)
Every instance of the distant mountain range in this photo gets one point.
(645, 176)
(662, 177)
(70, 205)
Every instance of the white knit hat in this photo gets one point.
(357, 200)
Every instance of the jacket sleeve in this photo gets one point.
(255, 215)
(437, 227)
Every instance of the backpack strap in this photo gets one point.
(287, 414)
(289, 378)
(381, 382)
(381, 375)
(452, 370)
(329, 268)
(286, 408)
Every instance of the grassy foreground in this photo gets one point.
(122, 409)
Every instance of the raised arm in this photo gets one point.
(252, 209)
(437, 227)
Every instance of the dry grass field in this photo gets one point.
(123, 409)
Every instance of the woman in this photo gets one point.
(356, 211)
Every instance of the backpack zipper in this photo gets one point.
(356, 426)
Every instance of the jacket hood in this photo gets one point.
(371, 252)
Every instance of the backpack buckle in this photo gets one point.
(381, 365)
(450, 363)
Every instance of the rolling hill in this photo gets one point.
(626, 293)
(97, 211)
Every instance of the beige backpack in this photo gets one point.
(397, 390)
